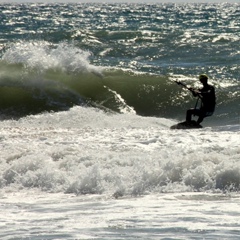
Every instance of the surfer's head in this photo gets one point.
(203, 78)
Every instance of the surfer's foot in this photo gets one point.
(192, 123)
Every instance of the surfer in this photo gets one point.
(208, 100)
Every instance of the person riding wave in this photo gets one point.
(208, 100)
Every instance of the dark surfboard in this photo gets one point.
(186, 125)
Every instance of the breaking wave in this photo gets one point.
(37, 77)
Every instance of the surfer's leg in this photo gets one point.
(200, 119)
(201, 115)
(189, 114)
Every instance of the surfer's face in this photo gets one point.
(203, 81)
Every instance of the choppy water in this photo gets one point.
(87, 98)
(122, 57)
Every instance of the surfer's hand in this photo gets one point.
(191, 89)
(194, 92)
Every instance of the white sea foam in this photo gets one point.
(43, 56)
(32, 215)
(88, 151)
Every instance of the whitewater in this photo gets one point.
(84, 174)
(87, 99)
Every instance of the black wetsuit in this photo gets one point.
(208, 102)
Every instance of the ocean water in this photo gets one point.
(87, 98)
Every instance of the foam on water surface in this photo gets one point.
(32, 215)
(85, 150)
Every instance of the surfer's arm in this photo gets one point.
(195, 92)
(208, 92)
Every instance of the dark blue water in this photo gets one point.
(118, 56)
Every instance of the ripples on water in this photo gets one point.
(178, 40)
(145, 37)
(61, 172)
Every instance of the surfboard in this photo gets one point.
(186, 125)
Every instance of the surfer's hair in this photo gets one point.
(203, 77)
